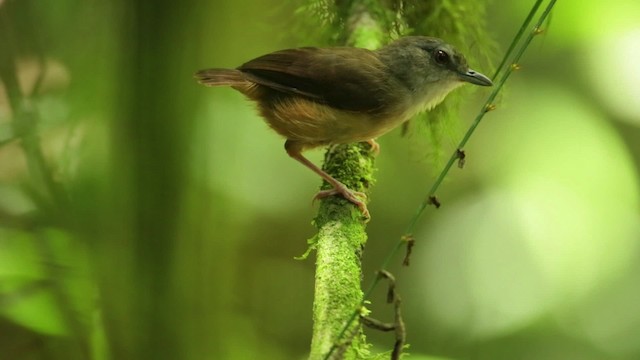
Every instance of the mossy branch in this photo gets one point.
(339, 243)
(341, 228)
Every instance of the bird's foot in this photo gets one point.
(375, 147)
(353, 196)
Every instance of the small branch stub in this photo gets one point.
(398, 323)
(391, 291)
(433, 200)
(461, 157)
(411, 241)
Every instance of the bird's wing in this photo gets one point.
(345, 78)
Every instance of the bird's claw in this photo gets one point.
(350, 195)
(375, 147)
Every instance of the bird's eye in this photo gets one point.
(441, 57)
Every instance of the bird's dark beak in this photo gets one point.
(476, 78)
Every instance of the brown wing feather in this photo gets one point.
(349, 79)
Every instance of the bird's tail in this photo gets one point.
(220, 77)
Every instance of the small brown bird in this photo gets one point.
(322, 96)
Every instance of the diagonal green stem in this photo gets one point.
(516, 39)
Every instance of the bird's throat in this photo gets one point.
(433, 95)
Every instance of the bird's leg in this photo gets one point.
(294, 150)
(375, 147)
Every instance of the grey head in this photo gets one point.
(419, 61)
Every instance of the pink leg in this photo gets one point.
(295, 151)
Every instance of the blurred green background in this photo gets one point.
(173, 232)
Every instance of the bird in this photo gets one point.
(320, 96)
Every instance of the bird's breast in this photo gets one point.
(314, 123)
(310, 122)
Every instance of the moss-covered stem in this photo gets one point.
(339, 244)
(341, 228)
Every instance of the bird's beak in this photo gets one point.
(475, 78)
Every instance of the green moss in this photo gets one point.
(339, 243)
